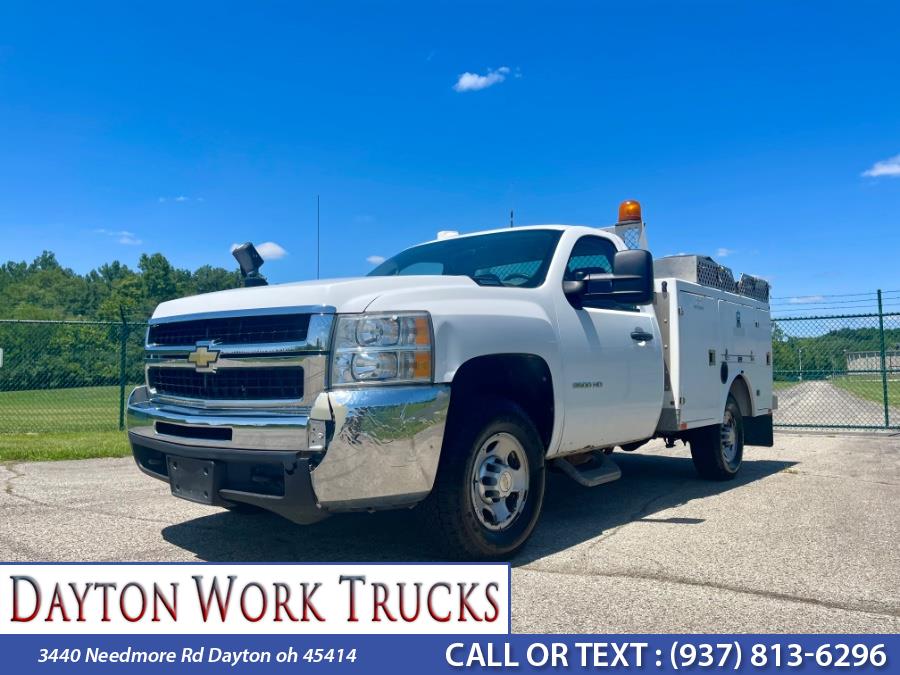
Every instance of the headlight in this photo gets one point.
(385, 348)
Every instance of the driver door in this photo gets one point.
(612, 360)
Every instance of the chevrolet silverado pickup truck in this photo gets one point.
(453, 377)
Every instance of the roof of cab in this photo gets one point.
(585, 228)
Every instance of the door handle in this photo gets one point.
(641, 335)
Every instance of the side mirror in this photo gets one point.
(631, 282)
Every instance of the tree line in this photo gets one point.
(44, 289)
(824, 355)
(54, 355)
(38, 356)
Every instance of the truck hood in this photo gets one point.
(344, 295)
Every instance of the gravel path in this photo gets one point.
(821, 403)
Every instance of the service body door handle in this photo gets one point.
(641, 335)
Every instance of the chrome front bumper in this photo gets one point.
(366, 448)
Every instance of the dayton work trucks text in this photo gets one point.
(452, 377)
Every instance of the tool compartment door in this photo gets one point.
(747, 334)
(696, 380)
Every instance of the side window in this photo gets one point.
(593, 255)
(590, 255)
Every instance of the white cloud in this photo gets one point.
(180, 199)
(122, 236)
(375, 259)
(887, 167)
(269, 250)
(476, 82)
(724, 252)
(805, 299)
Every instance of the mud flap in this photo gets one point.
(758, 431)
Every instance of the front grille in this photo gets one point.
(232, 330)
(233, 384)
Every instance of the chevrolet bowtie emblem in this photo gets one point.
(203, 358)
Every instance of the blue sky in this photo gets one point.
(745, 129)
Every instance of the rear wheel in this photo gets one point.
(718, 451)
(489, 489)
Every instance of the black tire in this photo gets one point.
(450, 510)
(713, 457)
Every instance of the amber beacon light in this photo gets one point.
(629, 210)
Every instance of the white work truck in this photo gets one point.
(453, 377)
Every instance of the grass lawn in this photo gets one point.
(870, 388)
(55, 446)
(55, 424)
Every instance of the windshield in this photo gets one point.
(515, 258)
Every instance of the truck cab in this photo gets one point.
(450, 379)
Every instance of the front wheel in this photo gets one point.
(490, 485)
(718, 451)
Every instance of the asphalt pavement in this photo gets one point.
(805, 540)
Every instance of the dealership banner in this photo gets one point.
(433, 654)
(254, 598)
(348, 617)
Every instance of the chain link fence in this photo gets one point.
(838, 370)
(832, 370)
(67, 376)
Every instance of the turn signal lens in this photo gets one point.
(630, 209)
(422, 331)
(423, 365)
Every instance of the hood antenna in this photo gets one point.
(318, 230)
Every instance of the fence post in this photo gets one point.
(884, 380)
(123, 344)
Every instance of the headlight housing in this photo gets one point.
(382, 348)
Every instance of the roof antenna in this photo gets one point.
(511, 218)
(317, 236)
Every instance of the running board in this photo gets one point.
(598, 470)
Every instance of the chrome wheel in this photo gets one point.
(729, 440)
(500, 481)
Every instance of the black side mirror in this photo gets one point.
(250, 261)
(631, 282)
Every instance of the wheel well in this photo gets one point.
(741, 393)
(522, 378)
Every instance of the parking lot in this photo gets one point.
(806, 540)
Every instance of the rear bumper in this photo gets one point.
(355, 449)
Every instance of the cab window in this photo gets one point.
(590, 255)
(593, 255)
